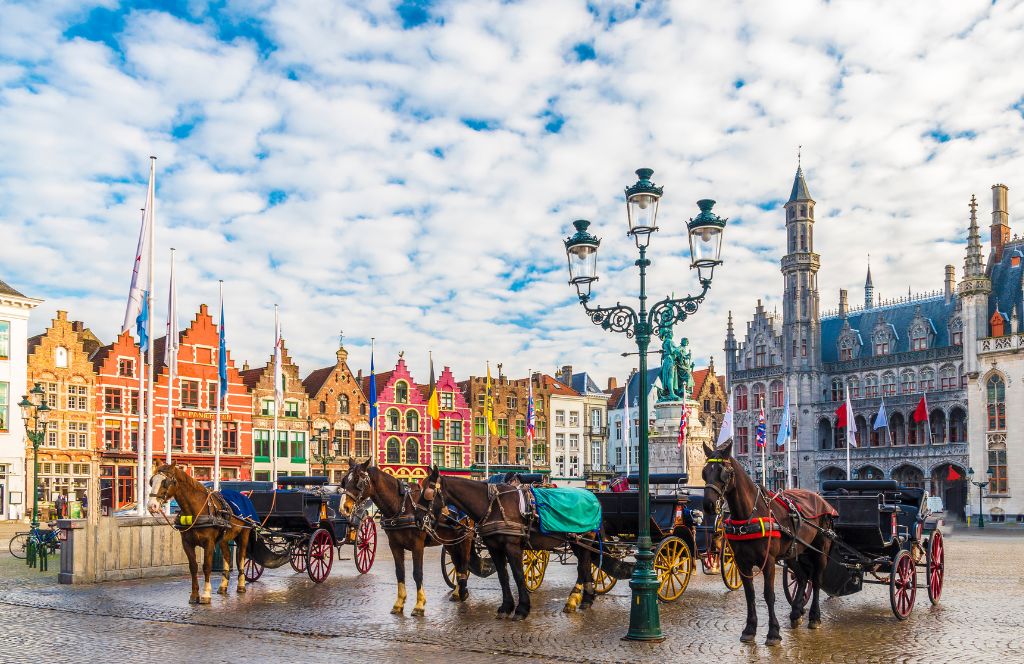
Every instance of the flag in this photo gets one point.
(143, 266)
(684, 421)
(849, 422)
(762, 428)
(953, 475)
(373, 393)
(881, 420)
(921, 412)
(222, 353)
(492, 426)
(141, 323)
(171, 345)
(841, 415)
(784, 424)
(531, 417)
(278, 354)
(726, 432)
(433, 408)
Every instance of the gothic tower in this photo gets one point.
(730, 353)
(869, 288)
(974, 292)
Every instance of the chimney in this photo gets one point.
(359, 375)
(612, 383)
(245, 365)
(1000, 221)
(565, 375)
(844, 304)
(950, 282)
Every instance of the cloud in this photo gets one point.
(407, 171)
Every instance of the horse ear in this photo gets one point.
(366, 464)
(727, 450)
(351, 463)
(708, 452)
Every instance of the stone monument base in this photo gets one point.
(665, 453)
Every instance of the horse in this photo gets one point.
(206, 520)
(773, 529)
(497, 510)
(406, 529)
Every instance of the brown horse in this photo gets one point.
(205, 520)
(506, 531)
(399, 519)
(762, 530)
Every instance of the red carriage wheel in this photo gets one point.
(320, 556)
(936, 569)
(297, 556)
(366, 545)
(252, 570)
(790, 585)
(903, 585)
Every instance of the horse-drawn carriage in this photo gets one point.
(881, 537)
(301, 524)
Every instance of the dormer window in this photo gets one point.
(998, 324)
(918, 341)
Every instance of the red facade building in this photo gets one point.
(117, 422)
(452, 451)
(403, 442)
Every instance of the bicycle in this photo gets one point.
(49, 538)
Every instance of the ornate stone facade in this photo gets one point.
(337, 401)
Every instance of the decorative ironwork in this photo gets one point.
(619, 318)
(665, 313)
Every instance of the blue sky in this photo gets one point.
(407, 170)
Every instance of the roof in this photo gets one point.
(557, 387)
(250, 377)
(382, 380)
(584, 384)
(633, 383)
(316, 379)
(899, 316)
(100, 356)
(699, 376)
(616, 395)
(6, 289)
(800, 192)
(1007, 284)
(33, 342)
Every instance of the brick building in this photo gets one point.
(709, 393)
(117, 421)
(403, 441)
(292, 449)
(336, 401)
(508, 448)
(451, 447)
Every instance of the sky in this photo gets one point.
(408, 170)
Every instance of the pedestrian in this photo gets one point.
(85, 505)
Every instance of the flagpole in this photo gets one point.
(170, 353)
(373, 407)
(529, 408)
(487, 425)
(140, 403)
(928, 416)
(277, 406)
(764, 446)
(149, 321)
(789, 447)
(849, 421)
(217, 434)
(629, 428)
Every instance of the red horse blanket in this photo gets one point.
(809, 504)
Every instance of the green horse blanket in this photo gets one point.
(567, 510)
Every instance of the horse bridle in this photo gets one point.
(726, 463)
(362, 484)
(153, 494)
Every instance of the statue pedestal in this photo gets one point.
(665, 454)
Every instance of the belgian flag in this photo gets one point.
(433, 407)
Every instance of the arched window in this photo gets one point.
(362, 409)
(837, 390)
(412, 421)
(996, 398)
(393, 419)
(60, 357)
(343, 404)
(918, 337)
(938, 424)
(394, 451)
(412, 451)
(957, 426)
(909, 476)
(741, 398)
(778, 398)
(758, 394)
(926, 383)
(898, 429)
(825, 434)
(907, 383)
(871, 386)
(862, 430)
(947, 377)
(853, 383)
(323, 407)
(869, 473)
(888, 384)
(402, 392)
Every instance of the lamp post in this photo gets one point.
(981, 497)
(324, 441)
(34, 413)
(705, 234)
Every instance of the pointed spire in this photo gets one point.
(869, 287)
(800, 191)
(973, 261)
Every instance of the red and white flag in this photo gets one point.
(844, 418)
(684, 421)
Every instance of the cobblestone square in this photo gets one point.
(284, 617)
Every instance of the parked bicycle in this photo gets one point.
(49, 538)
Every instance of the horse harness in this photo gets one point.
(401, 520)
(219, 518)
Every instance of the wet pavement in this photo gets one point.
(286, 617)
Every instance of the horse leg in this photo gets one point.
(460, 559)
(417, 575)
(774, 632)
(398, 553)
(500, 559)
(748, 593)
(818, 562)
(243, 545)
(193, 568)
(584, 568)
(225, 575)
(519, 576)
(207, 570)
(796, 613)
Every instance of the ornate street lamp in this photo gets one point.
(705, 231)
(34, 413)
(324, 442)
(981, 498)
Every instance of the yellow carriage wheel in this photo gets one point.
(535, 563)
(730, 572)
(603, 582)
(673, 563)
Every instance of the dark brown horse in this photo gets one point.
(397, 505)
(506, 531)
(205, 520)
(762, 529)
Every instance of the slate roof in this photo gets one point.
(316, 379)
(584, 384)
(250, 377)
(898, 316)
(634, 389)
(99, 356)
(1007, 283)
(800, 192)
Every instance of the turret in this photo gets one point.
(730, 350)
(869, 288)
(1000, 221)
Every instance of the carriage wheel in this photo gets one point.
(730, 572)
(252, 570)
(320, 556)
(673, 563)
(936, 568)
(790, 585)
(603, 581)
(535, 564)
(297, 556)
(448, 570)
(366, 545)
(903, 585)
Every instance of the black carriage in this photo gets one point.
(678, 530)
(301, 523)
(881, 537)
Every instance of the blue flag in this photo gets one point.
(222, 356)
(783, 425)
(142, 323)
(881, 420)
(373, 393)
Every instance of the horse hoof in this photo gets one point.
(518, 616)
(795, 622)
(240, 590)
(204, 600)
(746, 638)
(453, 597)
(568, 609)
(773, 641)
(397, 611)
(418, 612)
(193, 600)
(814, 624)
(222, 591)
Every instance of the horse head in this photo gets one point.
(162, 487)
(430, 504)
(719, 476)
(356, 486)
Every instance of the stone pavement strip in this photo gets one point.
(285, 617)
